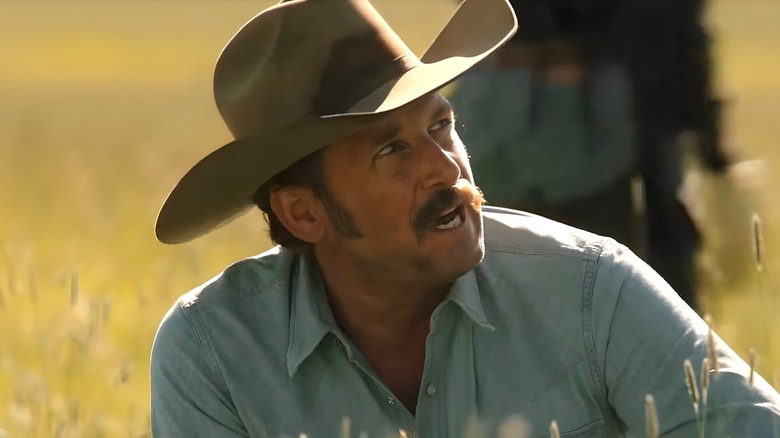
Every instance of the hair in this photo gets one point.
(306, 172)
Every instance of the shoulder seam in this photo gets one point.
(203, 342)
(587, 253)
(589, 341)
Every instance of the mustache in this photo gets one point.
(445, 200)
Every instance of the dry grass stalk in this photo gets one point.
(712, 352)
(74, 287)
(759, 260)
(32, 286)
(705, 380)
(758, 243)
(554, 432)
(690, 382)
(105, 312)
(513, 427)
(125, 372)
(345, 426)
(651, 417)
(752, 363)
(73, 412)
(10, 271)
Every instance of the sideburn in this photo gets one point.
(342, 219)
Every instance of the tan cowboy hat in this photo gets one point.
(305, 73)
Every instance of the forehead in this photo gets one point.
(430, 105)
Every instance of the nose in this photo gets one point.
(439, 165)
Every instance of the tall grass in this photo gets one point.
(87, 156)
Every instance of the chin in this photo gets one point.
(461, 260)
(454, 252)
(469, 261)
(450, 269)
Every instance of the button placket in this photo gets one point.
(430, 415)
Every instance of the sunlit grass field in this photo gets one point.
(104, 105)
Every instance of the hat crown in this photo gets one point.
(284, 77)
(304, 59)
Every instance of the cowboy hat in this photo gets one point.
(303, 74)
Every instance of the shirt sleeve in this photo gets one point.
(188, 396)
(643, 332)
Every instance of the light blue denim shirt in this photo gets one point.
(554, 324)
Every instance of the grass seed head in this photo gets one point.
(513, 427)
(651, 417)
(752, 363)
(712, 352)
(758, 243)
(705, 380)
(74, 287)
(345, 427)
(690, 382)
(554, 432)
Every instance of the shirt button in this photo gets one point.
(390, 401)
(430, 389)
(336, 342)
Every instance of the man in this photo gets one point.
(548, 120)
(667, 50)
(394, 299)
(588, 95)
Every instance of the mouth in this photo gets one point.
(451, 219)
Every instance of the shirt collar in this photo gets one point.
(465, 293)
(311, 317)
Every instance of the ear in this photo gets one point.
(298, 210)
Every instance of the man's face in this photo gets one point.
(402, 198)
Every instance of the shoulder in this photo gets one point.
(249, 279)
(516, 232)
(544, 278)
(536, 267)
(246, 296)
(539, 267)
(544, 264)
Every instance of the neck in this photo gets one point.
(380, 308)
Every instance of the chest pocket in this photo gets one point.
(593, 430)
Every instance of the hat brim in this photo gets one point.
(219, 188)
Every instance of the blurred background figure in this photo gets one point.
(580, 118)
(99, 101)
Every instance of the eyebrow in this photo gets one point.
(385, 135)
(388, 133)
(443, 106)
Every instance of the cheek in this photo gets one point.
(383, 208)
(462, 157)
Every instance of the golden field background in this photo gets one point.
(105, 104)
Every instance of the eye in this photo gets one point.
(392, 148)
(443, 123)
